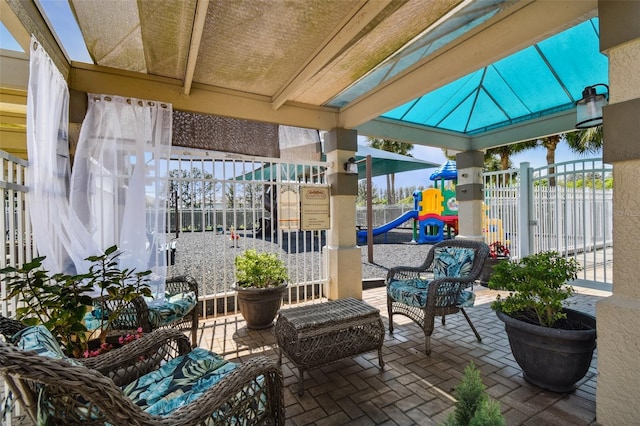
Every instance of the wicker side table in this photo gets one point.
(315, 335)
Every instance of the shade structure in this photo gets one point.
(386, 163)
(383, 163)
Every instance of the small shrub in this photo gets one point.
(537, 286)
(259, 270)
(473, 406)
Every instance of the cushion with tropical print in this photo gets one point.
(453, 262)
(414, 292)
(179, 382)
(39, 339)
(174, 308)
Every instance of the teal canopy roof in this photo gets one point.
(542, 79)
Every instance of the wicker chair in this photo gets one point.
(98, 390)
(438, 287)
(136, 313)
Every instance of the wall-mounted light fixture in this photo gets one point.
(351, 167)
(589, 108)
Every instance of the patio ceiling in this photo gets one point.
(445, 73)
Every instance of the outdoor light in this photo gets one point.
(589, 108)
(351, 167)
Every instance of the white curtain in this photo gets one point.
(55, 230)
(119, 182)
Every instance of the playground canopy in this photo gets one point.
(383, 163)
(386, 163)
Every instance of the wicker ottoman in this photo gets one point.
(316, 335)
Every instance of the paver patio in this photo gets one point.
(414, 388)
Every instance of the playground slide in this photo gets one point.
(412, 214)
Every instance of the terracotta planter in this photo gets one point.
(487, 269)
(259, 306)
(552, 358)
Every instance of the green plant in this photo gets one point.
(259, 270)
(473, 406)
(537, 286)
(118, 287)
(57, 301)
(60, 301)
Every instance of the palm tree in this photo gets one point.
(586, 141)
(581, 142)
(388, 145)
(506, 151)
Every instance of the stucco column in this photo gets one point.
(343, 256)
(618, 316)
(469, 194)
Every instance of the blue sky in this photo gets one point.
(64, 24)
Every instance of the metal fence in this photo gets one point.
(221, 205)
(16, 228)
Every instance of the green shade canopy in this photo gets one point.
(386, 163)
(383, 163)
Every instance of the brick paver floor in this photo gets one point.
(413, 388)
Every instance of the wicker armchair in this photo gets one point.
(98, 390)
(438, 287)
(136, 313)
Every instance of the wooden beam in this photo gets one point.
(194, 46)
(201, 99)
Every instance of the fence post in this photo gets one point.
(525, 211)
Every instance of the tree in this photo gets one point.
(506, 151)
(585, 141)
(388, 145)
(580, 142)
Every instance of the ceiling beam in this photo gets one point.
(34, 23)
(525, 23)
(202, 98)
(194, 45)
(553, 124)
(360, 16)
(383, 128)
(15, 69)
(15, 27)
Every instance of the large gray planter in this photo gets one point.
(259, 306)
(552, 358)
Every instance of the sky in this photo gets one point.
(60, 15)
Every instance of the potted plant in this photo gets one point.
(60, 301)
(261, 279)
(498, 252)
(552, 343)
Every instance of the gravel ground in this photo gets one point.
(209, 256)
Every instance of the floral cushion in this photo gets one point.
(414, 292)
(179, 382)
(39, 339)
(453, 262)
(174, 308)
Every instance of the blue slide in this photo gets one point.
(413, 214)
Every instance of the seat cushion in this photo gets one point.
(179, 382)
(174, 308)
(453, 262)
(39, 339)
(414, 292)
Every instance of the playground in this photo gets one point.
(435, 211)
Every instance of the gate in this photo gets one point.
(566, 207)
(222, 204)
